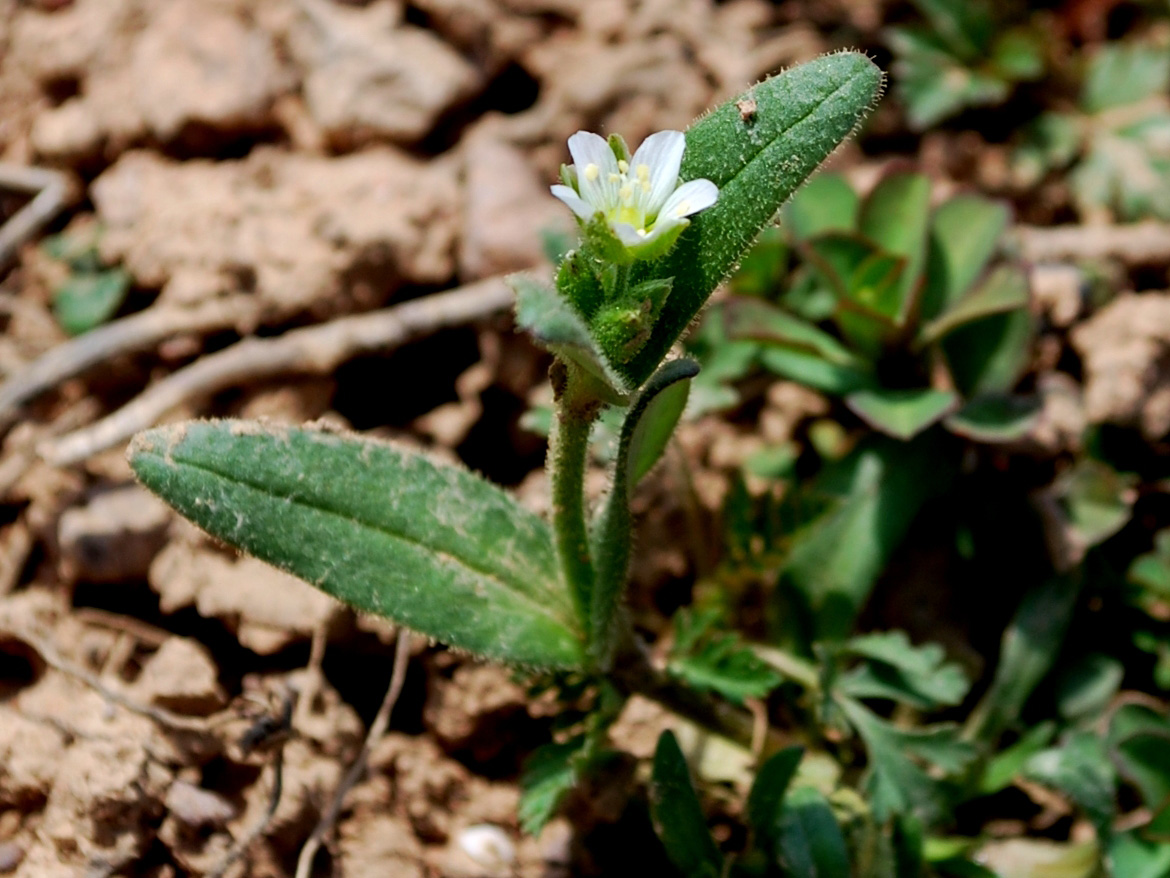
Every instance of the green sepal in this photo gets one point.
(385, 530)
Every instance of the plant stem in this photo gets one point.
(576, 410)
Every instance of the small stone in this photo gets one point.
(182, 676)
(196, 807)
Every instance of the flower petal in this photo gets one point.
(575, 202)
(627, 234)
(689, 198)
(587, 149)
(662, 153)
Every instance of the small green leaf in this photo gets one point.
(966, 27)
(1005, 289)
(964, 235)
(1125, 73)
(810, 843)
(765, 805)
(1139, 739)
(1080, 768)
(1085, 689)
(757, 160)
(896, 216)
(1134, 857)
(89, 299)
(1027, 651)
(678, 815)
(386, 530)
(826, 203)
(989, 355)
(1097, 501)
(713, 661)
(902, 414)
(995, 418)
(549, 774)
(1004, 767)
(916, 675)
(655, 424)
(869, 500)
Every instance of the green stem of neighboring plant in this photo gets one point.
(576, 410)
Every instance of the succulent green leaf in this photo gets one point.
(88, 299)
(902, 414)
(896, 217)
(385, 530)
(988, 356)
(826, 203)
(965, 233)
(1005, 289)
(809, 843)
(757, 159)
(678, 815)
(995, 418)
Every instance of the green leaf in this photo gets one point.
(1125, 73)
(549, 774)
(896, 783)
(1004, 767)
(1005, 289)
(544, 314)
(763, 268)
(385, 530)
(713, 661)
(1085, 689)
(989, 355)
(1097, 501)
(869, 500)
(916, 675)
(646, 430)
(1139, 739)
(902, 414)
(896, 216)
(995, 418)
(826, 203)
(88, 299)
(965, 26)
(1027, 651)
(765, 804)
(678, 816)
(1134, 857)
(809, 843)
(1079, 768)
(757, 160)
(964, 235)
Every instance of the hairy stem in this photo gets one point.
(576, 410)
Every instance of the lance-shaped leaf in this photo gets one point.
(902, 414)
(757, 149)
(645, 432)
(678, 815)
(385, 530)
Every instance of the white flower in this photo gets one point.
(639, 197)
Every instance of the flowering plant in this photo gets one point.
(445, 552)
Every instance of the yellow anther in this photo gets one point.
(642, 232)
(614, 178)
(626, 192)
(623, 165)
(645, 184)
(592, 172)
(643, 172)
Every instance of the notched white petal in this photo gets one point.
(689, 198)
(574, 201)
(661, 153)
(590, 151)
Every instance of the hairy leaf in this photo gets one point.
(386, 530)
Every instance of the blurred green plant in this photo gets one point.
(962, 56)
(1115, 145)
(88, 293)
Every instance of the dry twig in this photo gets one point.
(48, 189)
(353, 775)
(311, 350)
(134, 333)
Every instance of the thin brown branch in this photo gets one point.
(48, 188)
(357, 769)
(134, 333)
(312, 350)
